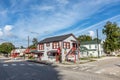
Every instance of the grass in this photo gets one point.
(86, 58)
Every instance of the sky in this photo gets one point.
(46, 18)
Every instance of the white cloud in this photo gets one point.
(91, 33)
(98, 26)
(59, 18)
(46, 8)
(101, 24)
(43, 7)
(63, 1)
(7, 30)
(8, 27)
(1, 33)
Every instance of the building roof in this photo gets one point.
(36, 52)
(82, 48)
(56, 38)
(89, 42)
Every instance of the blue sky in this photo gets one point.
(45, 18)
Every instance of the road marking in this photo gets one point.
(75, 67)
(5, 64)
(22, 64)
(84, 68)
(100, 71)
(13, 64)
(30, 64)
(88, 70)
(112, 73)
(40, 64)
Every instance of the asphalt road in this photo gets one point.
(22, 70)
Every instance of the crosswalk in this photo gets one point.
(14, 64)
(84, 68)
(94, 69)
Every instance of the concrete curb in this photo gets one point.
(41, 62)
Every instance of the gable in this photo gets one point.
(71, 38)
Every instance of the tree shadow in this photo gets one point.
(23, 70)
(117, 65)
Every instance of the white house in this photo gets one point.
(65, 46)
(91, 48)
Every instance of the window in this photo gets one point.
(47, 44)
(89, 46)
(66, 45)
(41, 46)
(55, 45)
(95, 46)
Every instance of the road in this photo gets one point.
(22, 70)
(106, 66)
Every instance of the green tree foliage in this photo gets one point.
(84, 38)
(95, 39)
(34, 45)
(35, 41)
(21, 47)
(112, 32)
(6, 47)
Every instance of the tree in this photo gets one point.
(84, 38)
(112, 32)
(21, 47)
(35, 42)
(95, 39)
(6, 47)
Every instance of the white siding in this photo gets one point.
(94, 52)
(46, 49)
(67, 50)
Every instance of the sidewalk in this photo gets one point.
(71, 64)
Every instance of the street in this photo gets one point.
(106, 66)
(23, 70)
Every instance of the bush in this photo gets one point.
(31, 57)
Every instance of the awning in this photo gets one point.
(36, 52)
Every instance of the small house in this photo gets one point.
(59, 48)
(91, 49)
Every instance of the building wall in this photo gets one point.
(63, 51)
(94, 50)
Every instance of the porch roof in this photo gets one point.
(36, 52)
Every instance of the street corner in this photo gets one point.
(115, 71)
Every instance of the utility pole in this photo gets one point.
(98, 43)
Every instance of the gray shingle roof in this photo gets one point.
(56, 38)
(89, 42)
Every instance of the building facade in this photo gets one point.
(54, 48)
(91, 49)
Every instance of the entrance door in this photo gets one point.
(74, 45)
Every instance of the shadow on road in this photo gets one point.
(117, 65)
(23, 70)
